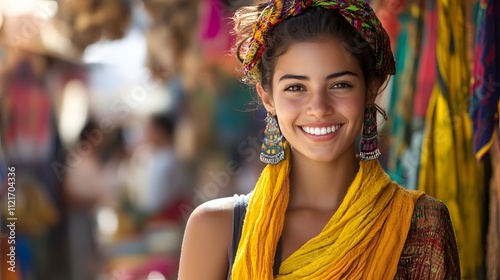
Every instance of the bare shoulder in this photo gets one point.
(206, 241)
(218, 207)
(214, 215)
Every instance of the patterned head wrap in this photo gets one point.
(357, 12)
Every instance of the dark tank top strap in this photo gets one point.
(239, 212)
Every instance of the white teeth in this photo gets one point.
(322, 130)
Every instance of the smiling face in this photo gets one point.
(318, 94)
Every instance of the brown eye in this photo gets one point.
(342, 85)
(294, 88)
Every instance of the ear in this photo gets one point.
(266, 97)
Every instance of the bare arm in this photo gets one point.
(206, 241)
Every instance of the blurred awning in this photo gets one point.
(62, 29)
(31, 26)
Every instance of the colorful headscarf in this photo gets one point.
(358, 13)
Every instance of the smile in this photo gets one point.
(321, 130)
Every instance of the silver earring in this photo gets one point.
(272, 150)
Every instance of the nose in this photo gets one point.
(319, 104)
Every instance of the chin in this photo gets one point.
(321, 157)
(327, 155)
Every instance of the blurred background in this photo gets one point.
(121, 116)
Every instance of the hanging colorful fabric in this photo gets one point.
(402, 93)
(449, 170)
(485, 89)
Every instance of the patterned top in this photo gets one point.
(430, 250)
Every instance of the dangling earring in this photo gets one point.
(369, 140)
(272, 150)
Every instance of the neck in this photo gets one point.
(321, 185)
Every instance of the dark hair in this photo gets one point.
(164, 123)
(313, 24)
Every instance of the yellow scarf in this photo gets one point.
(362, 240)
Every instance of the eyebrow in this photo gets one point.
(305, 78)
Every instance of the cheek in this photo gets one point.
(353, 110)
(287, 113)
(287, 110)
(353, 106)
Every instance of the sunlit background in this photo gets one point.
(110, 115)
(121, 116)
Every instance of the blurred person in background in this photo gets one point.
(31, 142)
(40, 47)
(165, 185)
(158, 194)
(84, 185)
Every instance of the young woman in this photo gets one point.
(319, 211)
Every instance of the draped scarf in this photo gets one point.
(362, 240)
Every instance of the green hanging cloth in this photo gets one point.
(401, 101)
